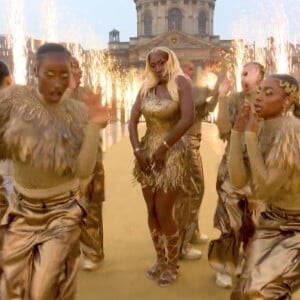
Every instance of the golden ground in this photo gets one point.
(128, 248)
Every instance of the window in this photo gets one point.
(202, 23)
(147, 24)
(175, 19)
(114, 36)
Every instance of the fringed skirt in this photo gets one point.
(175, 175)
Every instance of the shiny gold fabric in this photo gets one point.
(193, 139)
(272, 269)
(92, 230)
(195, 195)
(182, 209)
(236, 217)
(237, 211)
(41, 247)
(161, 116)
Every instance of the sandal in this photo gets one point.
(155, 270)
(170, 273)
(160, 264)
(168, 276)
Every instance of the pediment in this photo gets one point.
(175, 40)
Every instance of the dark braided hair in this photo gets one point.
(4, 71)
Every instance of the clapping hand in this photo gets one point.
(98, 113)
(242, 118)
(224, 86)
(252, 119)
(247, 119)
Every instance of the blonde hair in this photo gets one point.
(171, 72)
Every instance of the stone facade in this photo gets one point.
(194, 17)
(185, 26)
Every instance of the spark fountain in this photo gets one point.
(119, 87)
(271, 46)
(17, 41)
(49, 12)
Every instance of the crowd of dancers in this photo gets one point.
(52, 211)
(257, 180)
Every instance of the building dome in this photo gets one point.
(194, 17)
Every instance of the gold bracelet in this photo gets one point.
(166, 144)
(137, 149)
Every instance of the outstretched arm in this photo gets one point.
(223, 119)
(98, 117)
(236, 166)
(212, 103)
(267, 180)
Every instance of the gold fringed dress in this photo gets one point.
(51, 146)
(271, 269)
(161, 116)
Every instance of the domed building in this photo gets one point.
(185, 26)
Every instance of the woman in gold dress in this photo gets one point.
(53, 142)
(162, 158)
(271, 269)
(236, 208)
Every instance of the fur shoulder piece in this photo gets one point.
(285, 149)
(45, 135)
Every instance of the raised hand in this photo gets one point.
(242, 118)
(252, 124)
(98, 113)
(225, 87)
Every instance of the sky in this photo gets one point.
(89, 21)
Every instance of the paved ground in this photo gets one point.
(128, 247)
